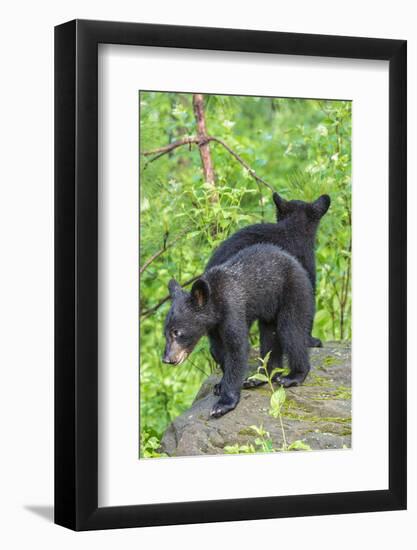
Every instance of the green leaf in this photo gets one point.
(299, 446)
(258, 376)
(259, 430)
(279, 371)
(277, 400)
(265, 360)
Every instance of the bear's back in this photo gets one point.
(247, 236)
(257, 278)
(284, 234)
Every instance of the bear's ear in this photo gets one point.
(174, 288)
(200, 292)
(281, 204)
(320, 206)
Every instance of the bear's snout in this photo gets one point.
(174, 354)
(167, 359)
(168, 356)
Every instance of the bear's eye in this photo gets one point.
(176, 333)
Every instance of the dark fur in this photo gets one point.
(261, 282)
(295, 232)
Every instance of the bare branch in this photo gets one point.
(186, 141)
(162, 250)
(152, 310)
(160, 151)
(250, 170)
(171, 146)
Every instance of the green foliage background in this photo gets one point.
(301, 147)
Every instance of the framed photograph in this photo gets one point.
(230, 255)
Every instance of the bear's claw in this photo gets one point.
(217, 388)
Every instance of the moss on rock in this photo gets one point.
(317, 413)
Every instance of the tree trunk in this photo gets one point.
(204, 146)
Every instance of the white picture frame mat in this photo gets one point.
(123, 478)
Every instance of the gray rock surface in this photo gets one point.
(317, 413)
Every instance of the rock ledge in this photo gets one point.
(318, 413)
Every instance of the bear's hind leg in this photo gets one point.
(269, 342)
(294, 343)
(315, 342)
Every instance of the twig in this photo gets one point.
(186, 141)
(162, 250)
(170, 147)
(160, 151)
(250, 170)
(154, 308)
(198, 368)
(345, 281)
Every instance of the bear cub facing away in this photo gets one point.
(295, 232)
(261, 282)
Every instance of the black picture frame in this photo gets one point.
(76, 272)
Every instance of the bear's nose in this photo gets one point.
(166, 359)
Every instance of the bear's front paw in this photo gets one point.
(252, 383)
(223, 406)
(288, 381)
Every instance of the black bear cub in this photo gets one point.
(295, 232)
(261, 282)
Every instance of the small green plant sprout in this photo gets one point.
(277, 400)
(262, 444)
(264, 441)
(263, 375)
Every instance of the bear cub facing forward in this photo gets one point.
(260, 283)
